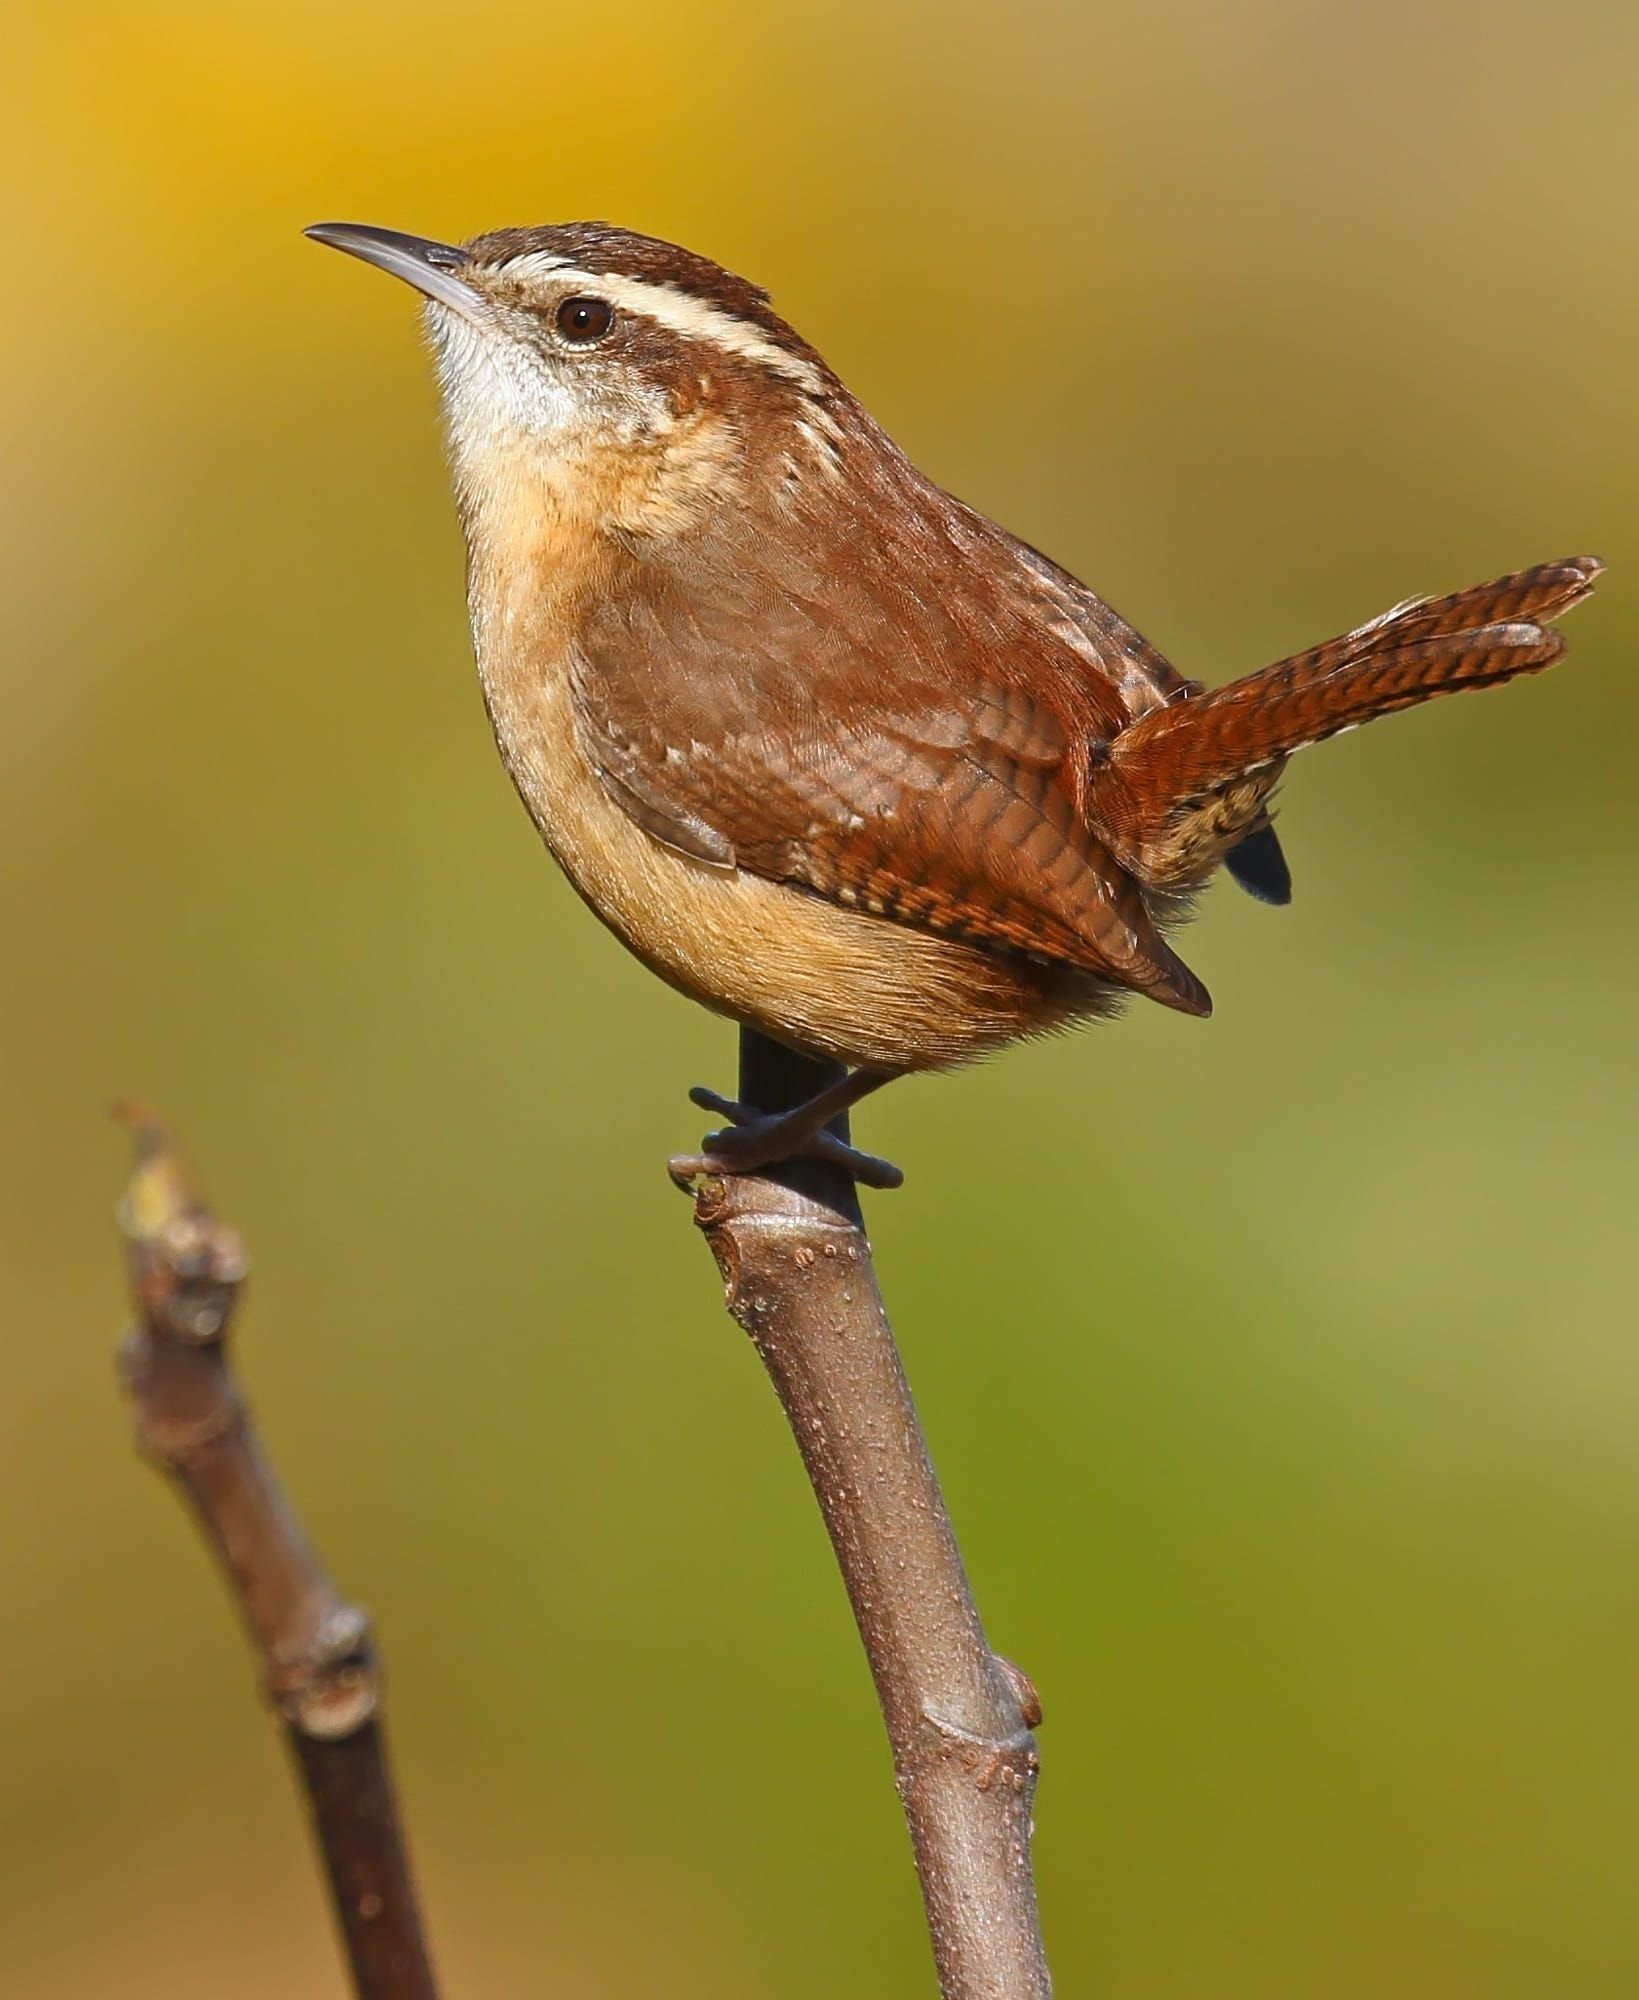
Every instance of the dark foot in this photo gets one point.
(754, 1139)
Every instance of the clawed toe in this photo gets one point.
(869, 1169)
(725, 1107)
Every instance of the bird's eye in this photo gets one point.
(584, 320)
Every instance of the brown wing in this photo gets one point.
(766, 729)
(1143, 676)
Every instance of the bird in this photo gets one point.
(828, 750)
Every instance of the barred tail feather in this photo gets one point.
(1184, 783)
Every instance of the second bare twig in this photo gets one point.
(321, 1672)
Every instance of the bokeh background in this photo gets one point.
(1282, 1370)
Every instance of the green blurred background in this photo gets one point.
(1282, 1371)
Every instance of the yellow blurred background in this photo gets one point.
(1282, 1371)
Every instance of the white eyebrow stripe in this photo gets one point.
(681, 311)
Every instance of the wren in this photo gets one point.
(828, 750)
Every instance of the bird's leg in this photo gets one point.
(754, 1139)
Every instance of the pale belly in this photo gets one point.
(826, 980)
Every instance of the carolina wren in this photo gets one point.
(828, 750)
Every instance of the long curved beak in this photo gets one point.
(433, 268)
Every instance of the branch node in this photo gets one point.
(335, 1688)
(176, 1424)
(1024, 1691)
(1014, 1758)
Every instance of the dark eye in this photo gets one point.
(585, 320)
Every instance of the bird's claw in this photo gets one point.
(754, 1139)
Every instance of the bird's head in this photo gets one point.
(610, 377)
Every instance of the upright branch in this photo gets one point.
(321, 1673)
(792, 1249)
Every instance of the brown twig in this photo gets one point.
(793, 1253)
(322, 1675)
